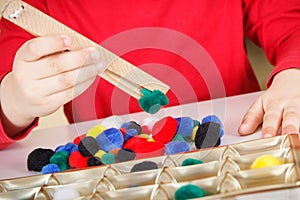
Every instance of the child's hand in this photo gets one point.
(45, 77)
(278, 108)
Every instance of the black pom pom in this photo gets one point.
(146, 165)
(208, 135)
(88, 146)
(136, 126)
(125, 155)
(94, 161)
(38, 158)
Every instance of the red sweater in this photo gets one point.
(196, 47)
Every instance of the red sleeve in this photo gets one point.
(275, 26)
(11, 39)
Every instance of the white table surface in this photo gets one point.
(230, 110)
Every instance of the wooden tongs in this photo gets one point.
(117, 71)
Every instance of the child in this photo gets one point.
(38, 75)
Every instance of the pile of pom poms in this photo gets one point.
(115, 140)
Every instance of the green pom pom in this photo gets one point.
(196, 123)
(188, 192)
(151, 102)
(191, 161)
(61, 159)
(178, 137)
(108, 158)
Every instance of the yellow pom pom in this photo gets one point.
(95, 131)
(146, 136)
(265, 161)
(193, 135)
(100, 153)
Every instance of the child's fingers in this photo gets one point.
(291, 119)
(272, 119)
(60, 98)
(67, 61)
(69, 79)
(252, 119)
(39, 47)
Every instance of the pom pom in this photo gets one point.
(175, 147)
(100, 153)
(61, 159)
(193, 135)
(214, 118)
(112, 122)
(76, 160)
(178, 138)
(142, 146)
(196, 123)
(208, 135)
(95, 131)
(164, 130)
(185, 126)
(135, 126)
(108, 158)
(143, 166)
(50, 168)
(88, 146)
(189, 191)
(114, 151)
(130, 133)
(149, 122)
(265, 161)
(146, 130)
(78, 138)
(110, 138)
(39, 158)
(125, 155)
(94, 161)
(125, 125)
(151, 102)
(65, 193)
(69, 147)
(191, 161)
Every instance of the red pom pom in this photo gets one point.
(123, 131)
(78, 138)
(146, 130)
(143, 148)
(164, 129)
(76, 160)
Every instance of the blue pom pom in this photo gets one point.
(109, 139)
(175, 147)
(69, 147)
(185, 126)
(215, 119)
(130, 133)
(50, 168)
(125, 125)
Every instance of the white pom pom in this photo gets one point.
(149, 122)
(65, 193)
(113, 122)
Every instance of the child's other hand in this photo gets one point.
(45, 77)
(277, 109)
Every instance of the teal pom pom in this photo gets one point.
(108, 158)
(191, 161)
(178, 138)
(61, 159)
(189, 192)
(151, 102)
